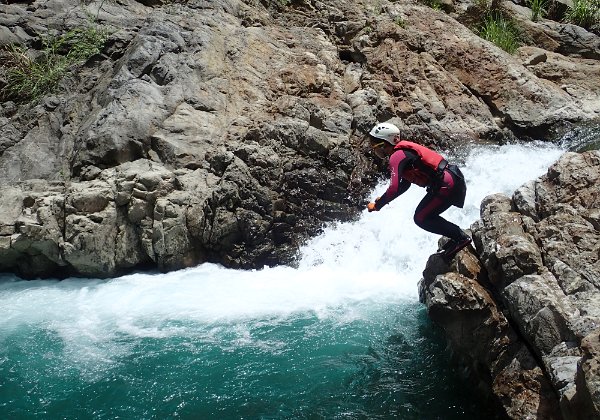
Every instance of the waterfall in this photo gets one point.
(342, 332)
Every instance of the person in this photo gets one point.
(412, 163)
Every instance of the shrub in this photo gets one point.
(29, 77)
(584, 13)
(500, 31)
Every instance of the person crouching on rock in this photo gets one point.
(411, 163)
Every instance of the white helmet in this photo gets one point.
(385, 131)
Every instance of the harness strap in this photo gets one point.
(441, 166)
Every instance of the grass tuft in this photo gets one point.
(584, 13)
(500, 31)
(539, 9)
(27, 77)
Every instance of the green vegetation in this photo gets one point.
(400, 22)
(500, 31)
(434, 4)
(538, 9)
(375, 7)
(584, 13)
(28, 77)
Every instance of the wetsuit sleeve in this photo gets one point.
(398, 185)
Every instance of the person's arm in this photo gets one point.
(398, 185)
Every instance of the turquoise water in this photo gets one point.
(389, 362)
(340, 336)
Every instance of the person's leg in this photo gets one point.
(427, 216)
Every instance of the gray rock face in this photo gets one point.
(229, 130)
(536, 270)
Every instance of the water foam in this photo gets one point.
(377, 259)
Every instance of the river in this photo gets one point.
(340, 336)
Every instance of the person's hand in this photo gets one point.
(371, 207)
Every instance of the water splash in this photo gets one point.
(380, 256)
(220, 343)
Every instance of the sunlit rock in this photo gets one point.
(543, 273)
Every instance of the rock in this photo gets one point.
(588, 403)
(507, 250)
(540, 258)
(545, 319)
(178, 138)
(559, 37)
(532, 56)
(485, 342)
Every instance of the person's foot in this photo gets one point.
(451, 248)
(450, 243)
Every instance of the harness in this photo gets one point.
(428, 170)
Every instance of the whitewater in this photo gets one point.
(339, 335)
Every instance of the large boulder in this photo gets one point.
(540, 255)
(484, 340)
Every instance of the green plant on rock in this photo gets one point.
(84, 43)
(400, 22)
(28, 77)
(435, 4)
(539, 9)
(500, 31)
(375, 7)
(584, 13)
